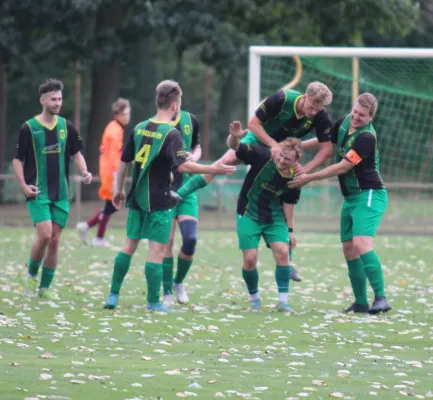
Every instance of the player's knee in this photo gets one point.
(44, 236)
(281, 255)
(188, 230)
(250, 261)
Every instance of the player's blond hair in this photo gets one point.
(120, 105)
(167, 92)
(367, 100)
(292, 144)
(319, 93)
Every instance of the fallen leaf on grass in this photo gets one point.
(47, 356)
(172, 372)
(336, 395)
(145, 358)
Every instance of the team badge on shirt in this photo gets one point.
(62, 134)
(186, 129)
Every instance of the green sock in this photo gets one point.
(373, 270)
(153, 274)
(33, 267)
(183, 267)
(191, 185)
(358, 280)
(167, 275)
(47, 277)
(122, 263)
(282, 277)
(251, 278)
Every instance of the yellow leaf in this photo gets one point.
(212, 381)
(181, 394)
(145, 358)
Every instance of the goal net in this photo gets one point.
(401, 79)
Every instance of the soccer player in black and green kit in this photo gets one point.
(365, 200)
(185, 214)
(286, 113)
(155, 147)
(265, 205)
(46, 143)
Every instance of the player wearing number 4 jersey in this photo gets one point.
(156, 147)
(365, 200)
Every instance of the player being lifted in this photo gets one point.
(365, 200)
(111, 150)
(185, 214)
(286, 113)
(41, 165)
(156, 147)
(265, 206)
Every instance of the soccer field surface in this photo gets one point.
(216, 347)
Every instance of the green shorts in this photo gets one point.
(188, 206)
(47, 210)
(153, 225)
(361, 213)
(249, 138)
(251, 231)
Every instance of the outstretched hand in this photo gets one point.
(223, 169)
(236, 129)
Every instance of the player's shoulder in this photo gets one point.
(322, 115)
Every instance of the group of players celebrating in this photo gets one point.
(164, 151)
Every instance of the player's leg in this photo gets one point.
(168, 266)
(355, 266)
(280, 250)
(105, 193)
(59, 214)
(122, 262)
(107, 212)
(187, 220)
(49, 266)
(249, 235)
(41, 217)
(277, 236)
(157, 228)
(367, 216)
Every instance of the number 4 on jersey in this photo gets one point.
(143, 155)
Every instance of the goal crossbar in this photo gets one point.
(256, 52)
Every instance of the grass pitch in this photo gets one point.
(216, 347)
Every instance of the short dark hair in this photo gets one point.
(120, 105)
(51, 85)
(166, 93)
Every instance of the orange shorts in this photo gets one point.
(106, 189)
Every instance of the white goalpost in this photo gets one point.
(402, 81)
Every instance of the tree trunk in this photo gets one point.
(225, 109)
(105, 75)
(3, 98)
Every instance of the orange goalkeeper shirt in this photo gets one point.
(111, 149)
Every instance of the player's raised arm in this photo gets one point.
(236, 132)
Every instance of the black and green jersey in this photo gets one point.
(187, 124)
(280, 121)
(45, 153)
(155, 147)
(360, 148)
(264, 188)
